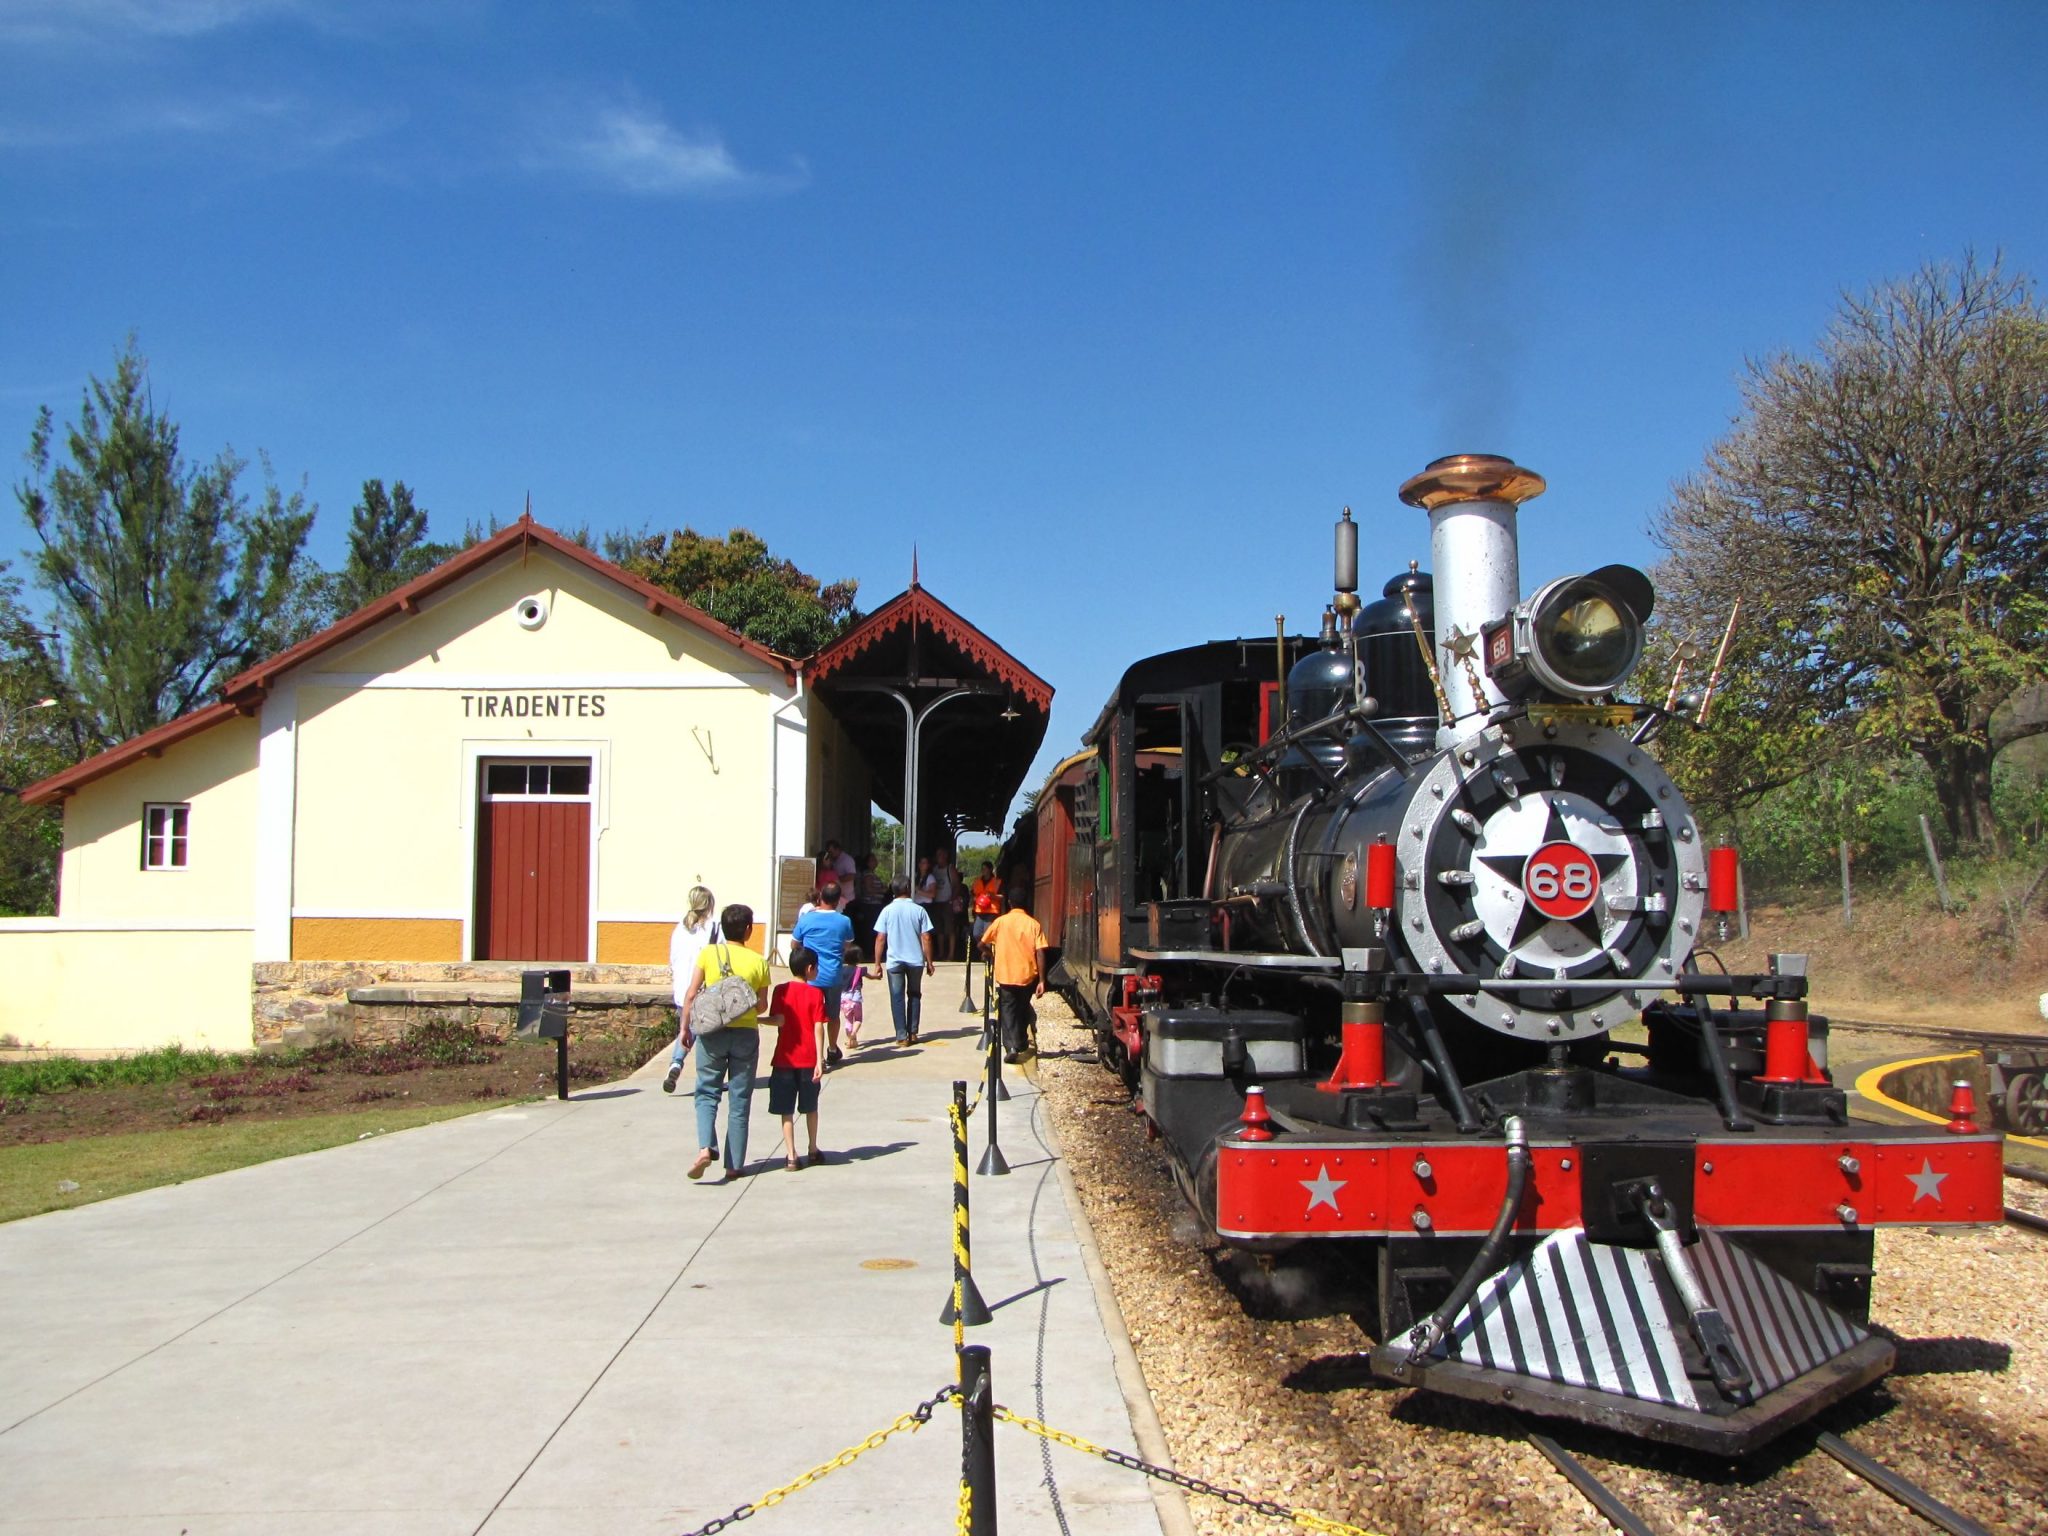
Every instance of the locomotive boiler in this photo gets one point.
(1396, 932)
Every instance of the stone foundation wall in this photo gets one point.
(300, 1003)
(1927, 1084)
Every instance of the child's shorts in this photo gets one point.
(791, 1091)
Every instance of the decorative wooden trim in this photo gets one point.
(918, 607)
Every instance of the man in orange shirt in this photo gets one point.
(1020, 962)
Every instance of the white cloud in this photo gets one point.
(59, 21)
(632, 147)
(279, 124)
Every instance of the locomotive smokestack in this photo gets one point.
(1471, 500)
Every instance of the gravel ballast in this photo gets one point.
(1253, 1394)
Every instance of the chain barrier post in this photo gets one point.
(991, 1039)
(967, 970)
(964, 1306)
(978, 1440)
(992, 1160)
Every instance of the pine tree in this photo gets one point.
(165, 580)
(387, 546)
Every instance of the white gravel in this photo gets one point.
(1283, 1408)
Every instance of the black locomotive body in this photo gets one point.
(1358, 917)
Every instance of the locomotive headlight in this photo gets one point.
(1579, 636)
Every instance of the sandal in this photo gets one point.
(792, 1165)
(815, 1160)
(703, 1161)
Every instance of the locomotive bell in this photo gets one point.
(1471, 500)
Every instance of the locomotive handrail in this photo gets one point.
(1271, 960)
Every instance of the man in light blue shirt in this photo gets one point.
(903, 952)
(826, 931)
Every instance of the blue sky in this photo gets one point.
(1109, 309)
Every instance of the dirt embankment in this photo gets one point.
(1903, 962)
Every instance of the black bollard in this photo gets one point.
(964, 1306)
(967, 978)
(992, 1160)
(562, 1065)
(978, 1439)
(992, 1042)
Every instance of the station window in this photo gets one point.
(166, 834)
(558, 779)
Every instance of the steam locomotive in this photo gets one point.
(1395, 934)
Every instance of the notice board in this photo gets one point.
(793, 881)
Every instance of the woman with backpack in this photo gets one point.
(722, 1009)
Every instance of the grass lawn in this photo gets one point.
(104, 1166)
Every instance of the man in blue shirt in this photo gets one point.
(826, 931)
(903, 951)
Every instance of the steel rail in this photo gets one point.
(1914, 1497)
(1603, 1498)
(2027, 1221)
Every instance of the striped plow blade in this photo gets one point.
(1784, 1332)
(1591, 1315)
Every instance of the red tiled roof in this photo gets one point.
(244, 692)
(918, 607)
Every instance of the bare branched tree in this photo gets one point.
(1881, 508)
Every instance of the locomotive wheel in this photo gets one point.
(2026, 1104)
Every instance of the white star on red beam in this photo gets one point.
(1322, 1190)
(1926, 1183)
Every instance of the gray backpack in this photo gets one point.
(720, 1002)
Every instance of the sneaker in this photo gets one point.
(833, 1056)
(668, 1084)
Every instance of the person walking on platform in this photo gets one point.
(988, 901)
(794, 1075)
(1020, 962)
(726, 1060)
(826, 931)
(926, 895)
(951, 908)
(691, 935)
(903, 953)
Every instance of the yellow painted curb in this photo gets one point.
(1867, 1086)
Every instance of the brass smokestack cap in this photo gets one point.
(1472, 477)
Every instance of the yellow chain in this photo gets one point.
(1308, 1520)
(845, 1458)
(963, 1523)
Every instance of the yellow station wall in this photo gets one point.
(102, 874)
(386, 803)
(68, 989)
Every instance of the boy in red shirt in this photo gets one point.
(799, 1065)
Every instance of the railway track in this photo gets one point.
(1968, 1037)
(1895, 1485)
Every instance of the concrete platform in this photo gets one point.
(528, 1321)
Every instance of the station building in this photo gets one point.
(527, 756)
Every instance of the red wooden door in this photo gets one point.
(533, 880)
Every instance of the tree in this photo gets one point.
(1881, 508)
(165, 580)
(387, 546)
(36, 740)
(737, 582)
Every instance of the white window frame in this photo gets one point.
(175, 836)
